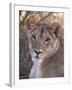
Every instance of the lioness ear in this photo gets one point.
(59, 31)
(23, 28)
(28, 32)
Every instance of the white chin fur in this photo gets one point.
(35, 71)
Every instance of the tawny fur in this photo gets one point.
(51, 60)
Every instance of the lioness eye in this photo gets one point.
(47, 39)
(34, 37)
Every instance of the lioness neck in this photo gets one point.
(35, 71)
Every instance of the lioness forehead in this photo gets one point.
(41, 28)
(42, 31)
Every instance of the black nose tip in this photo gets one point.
(37, 52)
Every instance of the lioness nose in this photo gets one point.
(37, 52)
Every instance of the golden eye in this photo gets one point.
(47, 39)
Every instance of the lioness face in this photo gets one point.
(40, 41)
